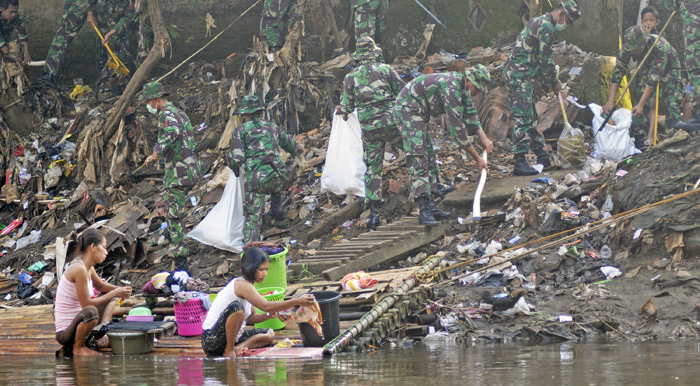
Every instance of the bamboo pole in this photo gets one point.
(577, 232)
(343, 340)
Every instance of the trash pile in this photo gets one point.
(611, 249)
(68, 176)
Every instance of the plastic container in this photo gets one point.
(277, 273)
(329, 303)
(189, 317)
(140, 311)
(130, 342)
(276, 296)
(140, 318)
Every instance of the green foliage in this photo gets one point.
(174, 31)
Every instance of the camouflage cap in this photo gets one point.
(571, 10)
(366, 49)
(634, 38)
(479, 76)
(152, 90)
(249, 105)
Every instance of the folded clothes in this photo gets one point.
(269, 248)
(195, 284)
(159, 279)
(184, 296)
(148, 288)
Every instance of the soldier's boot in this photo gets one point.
(373, 219)
(522, 168)
(693, 124)
(181, 264)
(426, 215)
(276, 208)
(543, 158)
(437, 213)
(443, 189)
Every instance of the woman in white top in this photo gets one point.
(76, 311)
(224, 327)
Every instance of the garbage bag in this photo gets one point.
(570, 147)
(33, 237)
(344, 170)
(52, 177)
(613, 142)
(223, 227)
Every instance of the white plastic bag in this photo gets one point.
(223, 227)
(344, 170)
(33, 237)
(613, 142)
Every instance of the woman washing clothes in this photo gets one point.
(224, 326)
(76, 311)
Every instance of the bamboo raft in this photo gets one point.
(29, 330)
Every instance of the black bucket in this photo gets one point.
(329, 303)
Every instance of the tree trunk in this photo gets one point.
(161, 45)
(334, 26)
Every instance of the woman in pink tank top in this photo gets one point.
(76, 311)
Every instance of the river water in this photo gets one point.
(424, 364)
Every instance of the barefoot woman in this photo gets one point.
(76, 311)
(224, 327)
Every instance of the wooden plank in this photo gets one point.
(385, 254)
(344, 250)
(351, 301)
(317, 261)
(329, 283)
(352, 210)
(404, 228)
(327, 256)
(382, 233)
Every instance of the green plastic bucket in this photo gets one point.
(277, 273)
(276, 296)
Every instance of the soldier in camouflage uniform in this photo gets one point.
(370, 19)
(10, 22)
(256, 146)
(662, 67)
(276, 14)
(433, 95)
(531, 61)
(118, 18)
(77, 12)
(372, 88)
(176, 148)
(690, 13)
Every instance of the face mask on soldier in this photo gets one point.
(562, 26)
(151, 109)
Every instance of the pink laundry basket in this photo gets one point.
(189, 317)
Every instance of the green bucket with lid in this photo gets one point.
(277, 273)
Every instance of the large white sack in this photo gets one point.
(223, 226)
(344, 170)
(613, 142)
